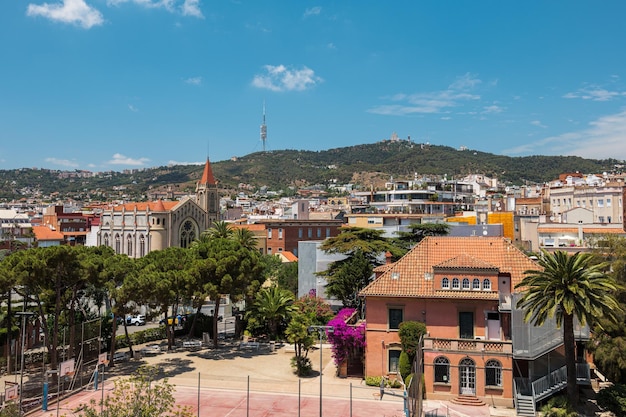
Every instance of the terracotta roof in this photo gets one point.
(288, 256)
(602, 230)
(150, 205)
(45, 233)
(557, 230)
(412, 275)
(207, 175)
(464, 261)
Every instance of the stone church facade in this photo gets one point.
(135, 229)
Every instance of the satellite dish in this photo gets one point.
(484, 233)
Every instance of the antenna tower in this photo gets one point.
(263, 129)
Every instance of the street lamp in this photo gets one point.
(320, 331)
(23, 314)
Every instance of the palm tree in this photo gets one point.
(568, 286)
(220, 229)
(272, 305)
(245, 237)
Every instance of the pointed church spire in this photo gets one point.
(207, 175)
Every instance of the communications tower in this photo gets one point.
(263, 129)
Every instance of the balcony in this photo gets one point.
(468, 345)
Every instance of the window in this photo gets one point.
(608, 219)
(466, 284)
(476, 284)
(394, 359)
(310, 233)
(466, 325)
(601, 219)
(486, 284)
(395, 318)
(269, 233)
(445, 284)
(493, 373)
(106, 239)
(455, 283)
(442, 369)
(319, 233)
(608, 202)
(142, 246)
(118, 245)
(129, 245)
(600, 202)
(300, 234)
(328, 232)
(280, 233)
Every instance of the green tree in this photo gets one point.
(568, 287)
(410, 333)
(162, 280)
(140, 395)
(347, 277)
(272, 305)
(362, 249)
(297, 332)
(608, 339)
(223, 266)
(417, 233)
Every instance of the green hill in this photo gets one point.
(293, 168)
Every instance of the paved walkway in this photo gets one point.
(219, 380)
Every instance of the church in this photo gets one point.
(135, 229)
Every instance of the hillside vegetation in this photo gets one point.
(294, 168)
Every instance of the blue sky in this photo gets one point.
(116, 84)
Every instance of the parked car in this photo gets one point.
(151, 350)
(120, 356)
(138, 320)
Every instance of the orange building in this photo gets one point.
(477, 344)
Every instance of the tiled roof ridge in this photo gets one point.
(465, 261)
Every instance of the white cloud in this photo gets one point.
(603, 138)
(281, 78)
(465, 82)
(63, 162)
(192, 8)
(538, 123)
(492, 109)
(119, 159)
(171, 163)
(133, 108)
(184, 7)
(312, 11)
(595, 94)
(432, 102)
(76, 12)
(194, 80)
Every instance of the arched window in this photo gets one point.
(129, 245)
(455, 283)
(476, 284)
(187, 233)
(106, 239)
(486, 284)
(493, 373)
(445, 284)
(142, 246)
(442, 369)
(118, 244)
(466, 284)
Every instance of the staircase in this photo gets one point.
(527, 393)
(468, 400)
(525, 406)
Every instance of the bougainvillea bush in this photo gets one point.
(345, 338)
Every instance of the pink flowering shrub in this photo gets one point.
(345, 339)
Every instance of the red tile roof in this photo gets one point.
(159, 205)
(412, 275)
(207, 175)
(45, 233)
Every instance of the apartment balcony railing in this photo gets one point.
(467, 345)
